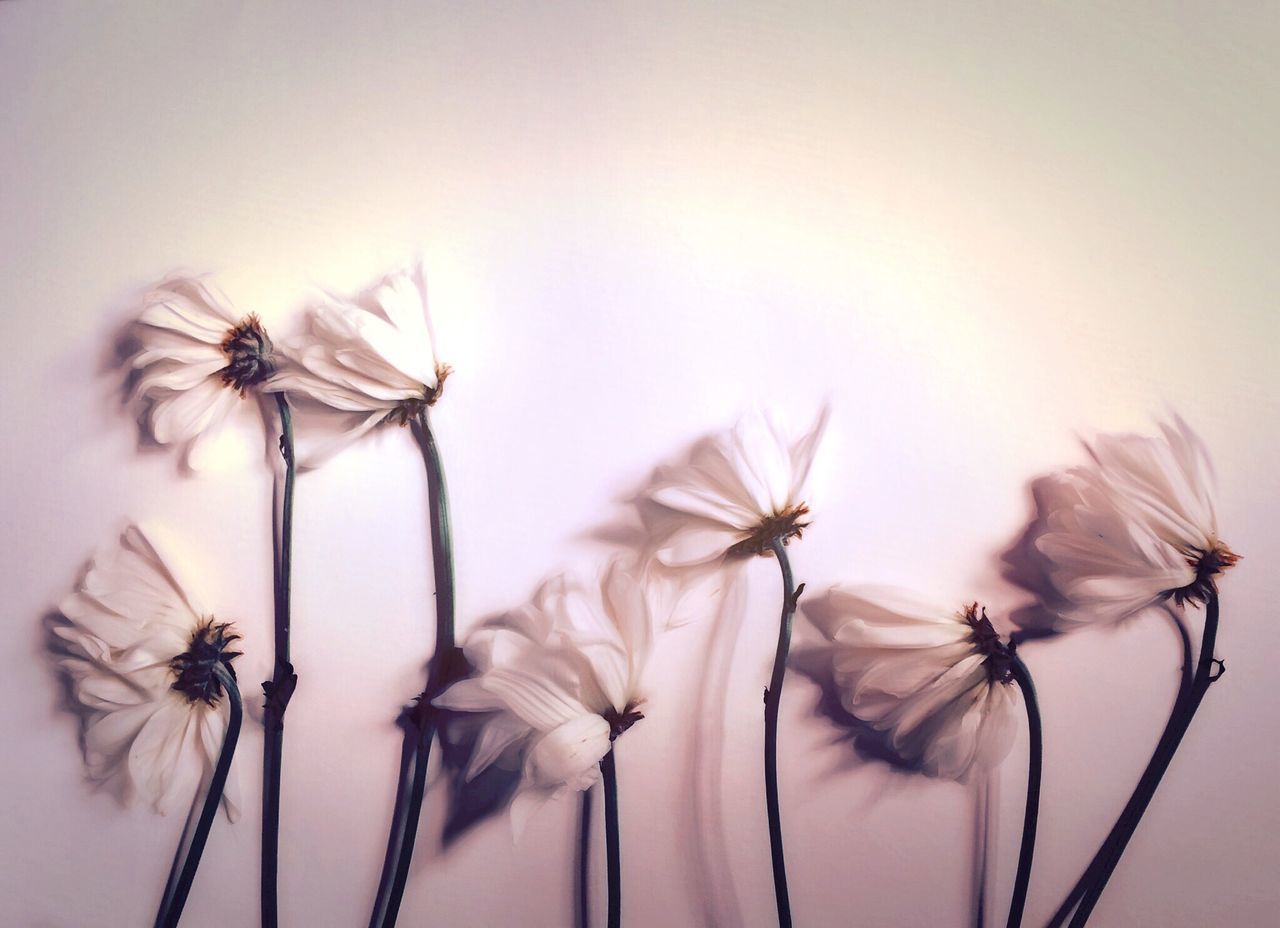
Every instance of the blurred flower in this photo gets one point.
(936, 682)
(371, 357)
(562, 676)
(196, 358)
(141, 657)
(1135, 527)
(741, 491)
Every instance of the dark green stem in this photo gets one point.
(175, 893)
(279, 689)
(583, 887)
(1031, 814)
(1107, 851)
(1205, 677)
(612, 844)
(772, 702)
(446, 666)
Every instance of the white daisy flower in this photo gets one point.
(1135, 527)
(196, 359)
(740, 492)
(371, 358)
(563, 679)
(140, 657)
(937, 682)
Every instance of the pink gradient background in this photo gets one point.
(978, 232)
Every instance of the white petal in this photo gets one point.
(697, 542)
(569, 755)
(180, 417)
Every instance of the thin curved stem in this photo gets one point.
(417, 792)
(1031, 814)
(1204, 678)
(445, 667)
(582, 889)
(612, 844)
(1106, 852)
(280, 688)
(395, 836)
(772, 702)
(175, 894)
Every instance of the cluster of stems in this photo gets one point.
(277, 690)
(420, 724)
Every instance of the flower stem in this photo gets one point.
(175, 893)
(772, 702)
(612, 845)
(1031, 815)
(279, 689)
(1204, 678)
(420, 722)
(583, 887)
(1106, 851)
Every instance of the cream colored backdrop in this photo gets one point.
(980, 230)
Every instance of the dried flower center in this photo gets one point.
(248, 352)
(781, 526)
(985, 638)
(1207, 564)
(619, 722)
(409, 410)
(195, 668)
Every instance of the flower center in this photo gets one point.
(1208, 565)
(410, 409)
(248, 352)
(985, 638)
(195, 667)
(619, 722)
(781, 526)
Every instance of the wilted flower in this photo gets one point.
(740, 492)
(1135, 527)
(196, 358)
(141, 658)
(937, 682)
(371, 357)
(562, 676)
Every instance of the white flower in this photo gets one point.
(563, 679)
(1135, 527)
(740, 491)
(140, 656)
(196, 359)
(371, 357)
(937, 682)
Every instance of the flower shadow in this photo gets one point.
(1026, 567)
(471, 801)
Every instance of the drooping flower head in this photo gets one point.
(196, 358)
(142, 662)
(1135, 527)
(371, 357)
(562, 678)
(937, 682)
(740, 492)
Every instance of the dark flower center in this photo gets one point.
(998, 654)
(781, 526)
(1208, 564)
(195, 668)
(248, 352)
(619, 722)
(409, 410)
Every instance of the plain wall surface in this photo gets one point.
(979, 231)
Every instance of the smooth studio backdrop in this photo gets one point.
(979, 232)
